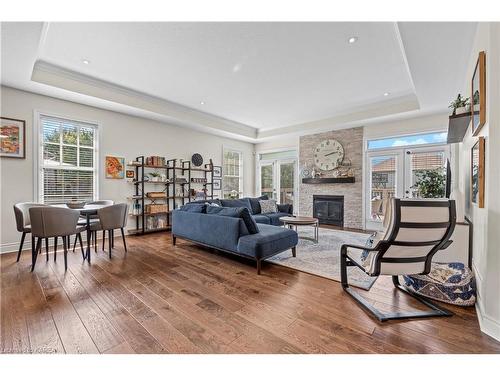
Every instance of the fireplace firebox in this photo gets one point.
(329, 209)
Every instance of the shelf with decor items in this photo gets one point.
(149, 208)
(152, 209)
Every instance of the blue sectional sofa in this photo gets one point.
(231, 229)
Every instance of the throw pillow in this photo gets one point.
(254, 204)
(268, 206)
(239, 212)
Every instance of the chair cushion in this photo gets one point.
(451, 283)
(242, 202)
(239, 212)
(274, 218)
(262, 219)
(268, 206)
(269, 241)
(255, 205)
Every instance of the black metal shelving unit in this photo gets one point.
(175, 170)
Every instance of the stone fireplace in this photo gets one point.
(352, 193)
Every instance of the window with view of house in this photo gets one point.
(232, 183)
(67, 160)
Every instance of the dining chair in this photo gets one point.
(53, 222)
(111, 218)
(416, 230)
(83, 221)
(21, 212)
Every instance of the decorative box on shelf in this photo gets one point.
(155, 208)
(156, 194)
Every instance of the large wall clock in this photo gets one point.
(328, 154)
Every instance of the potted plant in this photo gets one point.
(155, 176)
(460, 105)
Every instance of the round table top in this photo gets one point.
(299, 220)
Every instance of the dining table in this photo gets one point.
(88, 211)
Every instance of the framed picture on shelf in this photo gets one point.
(217, 184)
(130, 174)
(477, 172)
(12, 138)
(217, 171)
(478, 105)
(115, 167)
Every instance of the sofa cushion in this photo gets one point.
(261, 219)
(254, 204)
(288, 208)
(242, 202)
(274, 218)
(268, 206)
(200, 208)
(269, 241)
(239, 212)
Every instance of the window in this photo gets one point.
(232, 174)
(67, 160)
(408, 140)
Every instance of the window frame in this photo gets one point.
(38, 151)
(241, 188)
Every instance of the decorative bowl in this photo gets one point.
(75, 204)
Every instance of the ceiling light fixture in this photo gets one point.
(387, 93)
(202, 103)
(352, 39)
(86, 62)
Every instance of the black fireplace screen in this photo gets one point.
(329, 209)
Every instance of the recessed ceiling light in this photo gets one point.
(202, 103)
(387, 93)
(352, 39)
(86, 62)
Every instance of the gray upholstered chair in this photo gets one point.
(415, 231)
(52, 222)
(93, 218)
(21, 211)
(111, 218)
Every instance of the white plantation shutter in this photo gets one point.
(68, 155)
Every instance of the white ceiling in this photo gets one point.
(256, 80)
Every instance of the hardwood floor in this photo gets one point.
(185, 299)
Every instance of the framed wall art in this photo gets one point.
(217, 184)
(12, 138)
(478, 105)
(217, 171)
(477, 172)
(115, 167)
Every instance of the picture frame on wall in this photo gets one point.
(478, 95)
(477, 172)
(12, 138)
(217, 184)
(217, 171)
(115, 167)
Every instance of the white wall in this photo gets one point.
(120, 135)
(486, 221)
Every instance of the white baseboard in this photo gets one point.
(488, 325)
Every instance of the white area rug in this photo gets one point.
(323, 258)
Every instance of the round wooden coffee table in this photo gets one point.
(291, 221)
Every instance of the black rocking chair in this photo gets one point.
(416, 230)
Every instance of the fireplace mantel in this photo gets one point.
(329, 180)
